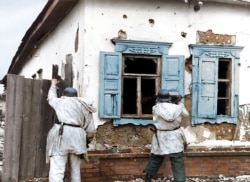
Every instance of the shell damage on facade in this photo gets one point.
(209, 135)
(85, 40)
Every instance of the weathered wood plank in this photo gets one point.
(28, 120)
(8, 152)
(69, 72)
(43, 124)
(13, 128)
(28, 143)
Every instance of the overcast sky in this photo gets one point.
(16, 16)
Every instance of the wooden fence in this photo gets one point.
(28, 120)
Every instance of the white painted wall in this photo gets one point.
(100, 20)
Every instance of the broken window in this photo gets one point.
(215, 82)
(141, 81)
(224, 87)
(131, 77)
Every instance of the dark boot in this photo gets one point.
(148, 178)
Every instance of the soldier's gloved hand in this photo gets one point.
(176, 99)
(179, 97)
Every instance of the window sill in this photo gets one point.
(123, 121)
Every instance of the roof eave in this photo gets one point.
(53, 12)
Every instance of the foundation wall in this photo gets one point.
(198, 163)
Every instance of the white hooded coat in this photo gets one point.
(167, 116)
(70, 110)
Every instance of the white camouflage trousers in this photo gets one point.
(58, 167)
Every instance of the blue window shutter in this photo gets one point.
(110, 85)
(207, 88)
(205, 69)
(173, 73)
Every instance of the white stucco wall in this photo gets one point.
(100, 20)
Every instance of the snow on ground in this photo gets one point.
(221, 143)
(220, 178)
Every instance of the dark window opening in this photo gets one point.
(129, 96)
(224, 87)
(141, 81)
(140, 65)
(148, 95)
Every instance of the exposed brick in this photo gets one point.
(209, 37)
(197, 164)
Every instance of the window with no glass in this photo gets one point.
(140, 82)
(224, 87)
(215, 84)
(131, 76)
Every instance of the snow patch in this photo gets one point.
(221, 143)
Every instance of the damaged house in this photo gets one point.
(120, 53)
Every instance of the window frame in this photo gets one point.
(110, 80)
(139, 77)
(212, 53)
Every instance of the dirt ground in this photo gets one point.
(126, 136)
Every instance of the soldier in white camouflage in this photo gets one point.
(168, 139)
(67, 139)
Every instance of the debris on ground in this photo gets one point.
(220, 178)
